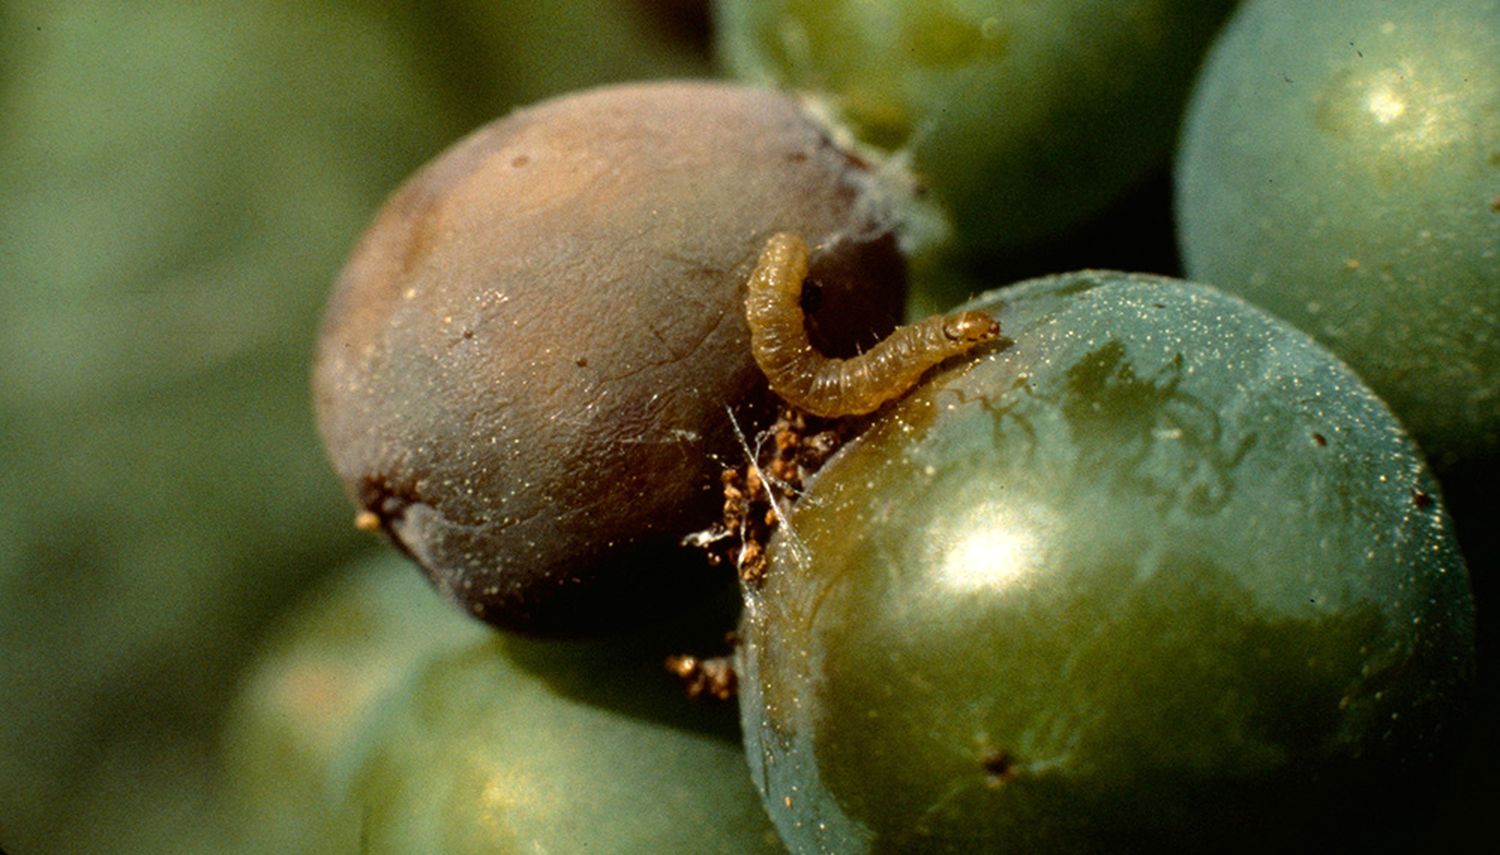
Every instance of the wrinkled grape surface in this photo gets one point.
(528, 361)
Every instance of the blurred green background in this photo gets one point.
(179, 183)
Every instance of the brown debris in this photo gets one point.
(785, 456)
(790, 451)
(714, 677)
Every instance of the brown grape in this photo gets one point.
(527, 367)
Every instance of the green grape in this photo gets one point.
(1021, 118)
(524, 746)
(1340, 166)
(1162, 574)
(305, 710)
(377, 719)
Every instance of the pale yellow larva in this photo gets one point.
(827, 386)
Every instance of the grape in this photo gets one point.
(375, 718)
(1162, 574)
(304, 710)
(1022, 118)
(524, 746)
(1341, 167)
(526, 365)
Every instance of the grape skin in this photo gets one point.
(1163, 573)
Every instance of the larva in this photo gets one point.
(826, 386)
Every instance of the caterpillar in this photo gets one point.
(828, 386)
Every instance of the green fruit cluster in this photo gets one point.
(1156, 570)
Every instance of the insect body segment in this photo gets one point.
(826, 386)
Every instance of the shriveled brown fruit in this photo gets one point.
(526, 368)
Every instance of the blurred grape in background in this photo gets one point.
(178, 184)
(377, 718)
(1022, 119)
(1340, 166)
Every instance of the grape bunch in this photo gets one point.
(1177, 559)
